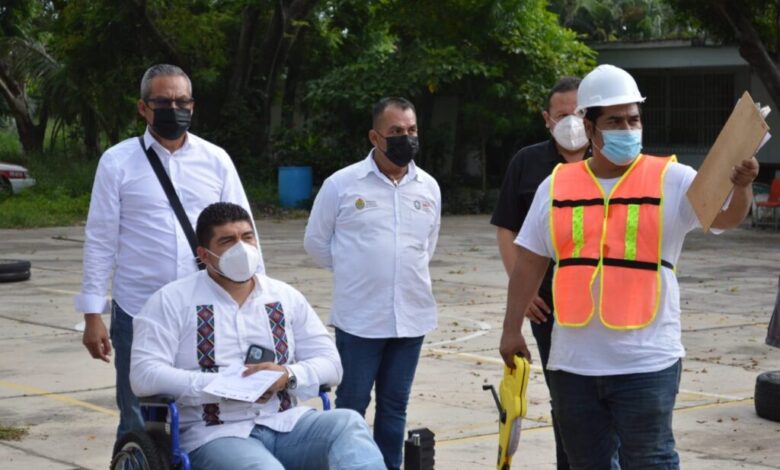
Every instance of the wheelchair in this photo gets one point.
(157, 447)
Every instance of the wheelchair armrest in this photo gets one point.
(156, 400)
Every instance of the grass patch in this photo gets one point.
(11, 433)
(264, 198)
(10, 148)
(39, 207)
(64, 182)
(60, 195)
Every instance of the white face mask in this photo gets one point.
(239, 263)
(569, 132)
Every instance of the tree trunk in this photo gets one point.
(279, 39)
(751, 47)
(242, 66)
(483, 160)
(91, 133)
(31, 135)
(167, 46)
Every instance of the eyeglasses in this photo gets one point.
(168, 102)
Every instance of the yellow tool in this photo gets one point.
(512, 407)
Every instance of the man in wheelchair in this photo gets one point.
(228, 315)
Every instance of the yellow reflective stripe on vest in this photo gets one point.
(632, 225)
(578, 229)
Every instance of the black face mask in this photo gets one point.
(401, 149)
(171, 123)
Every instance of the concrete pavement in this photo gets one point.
(50, 385)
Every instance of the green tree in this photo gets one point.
(23, 63)
(752, 24)
(499, 71)
(294, 79)
(619, 20)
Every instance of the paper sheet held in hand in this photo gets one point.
(739, 140)
(229, 384)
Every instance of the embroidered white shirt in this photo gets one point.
(378, 239)
(165, 352)
(132, 231)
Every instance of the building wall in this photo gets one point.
(681, 58)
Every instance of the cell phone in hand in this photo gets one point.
(257, 354)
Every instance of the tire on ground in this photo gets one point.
(767, 397)
(138, 450)
(12, 270)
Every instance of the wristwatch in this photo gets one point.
(292, 381)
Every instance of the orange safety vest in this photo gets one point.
(618, 237)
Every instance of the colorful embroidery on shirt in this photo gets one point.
(210, 414)
(206, 359)
(277, 323)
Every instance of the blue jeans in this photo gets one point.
(596, 415)
(391, 364)
(336, 439)
(121, 332)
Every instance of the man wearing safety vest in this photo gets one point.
(614, 225)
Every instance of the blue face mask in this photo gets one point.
(621, 147)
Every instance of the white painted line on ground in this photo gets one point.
(538, 368)
(484, 328)
(477, 357)
(56, 291)
(713, 395)
(481, 437)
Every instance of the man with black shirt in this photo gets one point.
(528, 168)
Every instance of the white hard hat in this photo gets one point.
(607, 85)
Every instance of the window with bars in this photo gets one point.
(684, 111)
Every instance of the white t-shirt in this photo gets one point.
(595, 349)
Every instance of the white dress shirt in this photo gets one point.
(165, 353)
(378, 239)
(132, 227)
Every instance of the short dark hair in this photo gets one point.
(562, 86)
(594, 112)
(219, 213)
(386, 102)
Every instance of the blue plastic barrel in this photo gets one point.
(294, 185)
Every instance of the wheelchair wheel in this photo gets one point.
(141, 451)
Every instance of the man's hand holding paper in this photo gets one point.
(234, 383)
(269, 367)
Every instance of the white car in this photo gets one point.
(14, 178)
